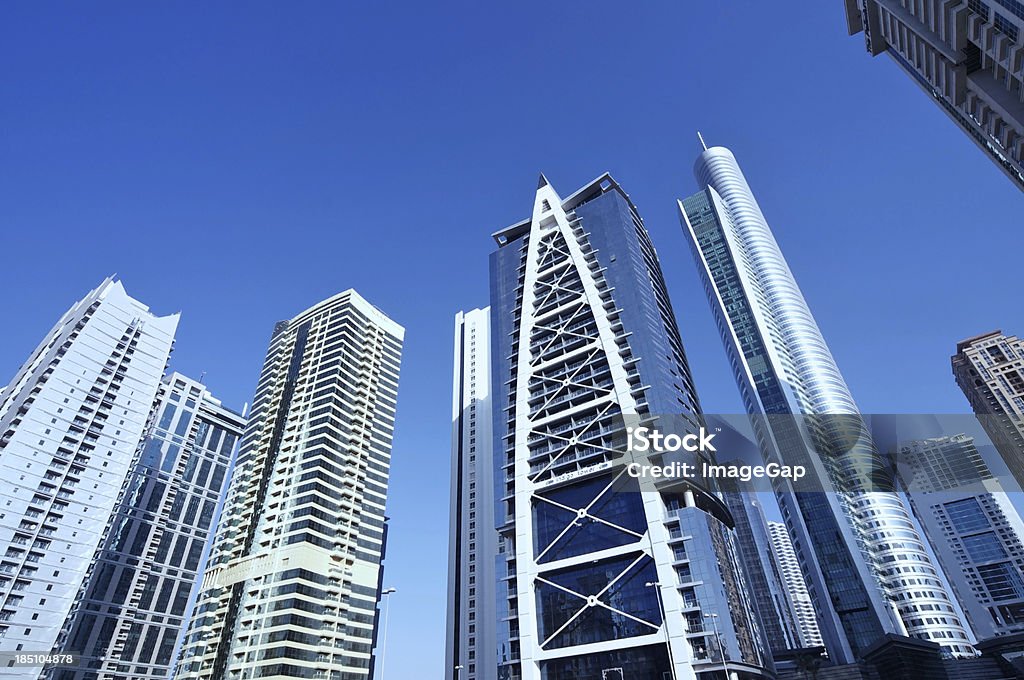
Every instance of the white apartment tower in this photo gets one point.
(294, 577)
(966, 55)
(473, 540)
(70, 422)
(973, 528)
(128, 616)
(796, 590)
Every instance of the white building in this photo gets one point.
(973, 528)
(294, 576)
(70, 421)
(862, 560)
(473, 540)
(966, 56)
(796, 590)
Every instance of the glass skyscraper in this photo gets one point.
(129, 613)
(867, 570)
(70, 422)
(473, 541)
(294, 578)
(768, 591)
(600, 581)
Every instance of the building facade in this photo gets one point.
(861, 557)
(989, 368)
(967, 56)
(600, 581)
(293, 582)
(71, 421)
(473, 539)
(768, 593)
(131, 608)
(973, 528)
(797, 598)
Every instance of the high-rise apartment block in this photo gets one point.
(863, 562)
(798, 600)
(599, 580)
(70, 423)
(473, 539)
(130, 611)
(989, 368)
(973, 527)
(294, 576)
(967, 56)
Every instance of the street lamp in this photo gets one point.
(664, 622)
(458, 671)
(721, 646)
(384, 637)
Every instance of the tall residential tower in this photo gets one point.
(294, 575)
(973, 527)
(989, 368)
(864, 563)
(473, 540)
(130, 611)
(798, 600)
(70, 422)
(599, 580)
(966, 56)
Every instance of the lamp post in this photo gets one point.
(721, 646)
(386, 593)
(664, 622)
(458, 672)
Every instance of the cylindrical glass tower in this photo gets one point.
(787, 374)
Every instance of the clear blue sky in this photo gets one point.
(241, 162)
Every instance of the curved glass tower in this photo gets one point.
(866, 567)
(599, 580)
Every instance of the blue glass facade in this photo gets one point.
(584, 338)
(131, 608)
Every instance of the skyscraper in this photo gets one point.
(966, 56)
(765, 581)
(129, 612)
(863, 562)
(473, 540)
(70, 421)
(973, 528)
(796, 589)
(294, 576)
(989, 368)
(599, 580)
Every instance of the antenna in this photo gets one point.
(701, 138)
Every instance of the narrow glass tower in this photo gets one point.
(70, 422)
(866, 567)
(600, 580)
(294, 576)
(129, 612)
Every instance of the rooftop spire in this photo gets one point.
(701, 138)
(542, 182)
